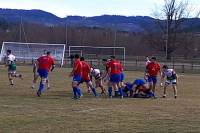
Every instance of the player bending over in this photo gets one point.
(137, 89)
(77, 76)
(171, 78)
(141, 89)
(10, 62)
(96, 73)
(115, 77)
(44, 65)
(86, 75)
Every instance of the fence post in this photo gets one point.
(136, 62)
(183, 68)
(192, 66)
(173, 62)
(91, 63)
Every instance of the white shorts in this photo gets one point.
(170, 82)
(11, 72)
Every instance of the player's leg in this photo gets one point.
(174, 85)
(75, 86)
(120, 90)
(10, 78)
(150, 82)
(35, 78)
(48, 83)
(99, 83)
(110, 89)
(167, 83)
(89, 84)
(17, 75)
(154, 79)
(43, 75)
(88, 88)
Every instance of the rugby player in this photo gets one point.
(36, 74)
(44, 65)
(171, 78)
(76, 73)
(10, 62)
(86, 75)
(152, 70)
(114, 72)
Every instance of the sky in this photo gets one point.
(63, 8)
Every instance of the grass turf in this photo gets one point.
(22, 111)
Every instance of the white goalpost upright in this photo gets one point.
(30, 51)
(94, 50)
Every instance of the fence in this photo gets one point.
(138, 65)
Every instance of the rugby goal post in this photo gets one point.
(102, 52)
(30, 51)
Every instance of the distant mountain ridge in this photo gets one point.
(123, 23)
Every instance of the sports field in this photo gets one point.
(55, 112)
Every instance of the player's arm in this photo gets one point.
(73, 70)
(53, 65)
(35, 67)
(135, 89)
(5, 61)
(162, 79)
(176, 76)
(160, 73)
(104, 74)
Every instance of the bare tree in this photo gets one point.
(169, 22)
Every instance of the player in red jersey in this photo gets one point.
(36, 75)
(44, 65)
(115, 76)
(105, 63)
(86, 75)
(77, 77)
(152, 70)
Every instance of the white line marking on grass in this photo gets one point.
(12, 106)
(89, 110)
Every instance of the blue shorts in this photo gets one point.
(43, 73)
(115, 78)
(139, 82)
(122, 77)
(129, 86)
(152, 79)
(77, 78)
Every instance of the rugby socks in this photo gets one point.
(110, 91)
(121, 92)
(131, 93)
(75, 92)
(41, 88)
(116, 93)
(79, 92)
(94, 92)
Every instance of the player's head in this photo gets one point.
(165, 67)
(112, 57)
(153, 59)
(76, 56)
(82, 59)
(104, 61)
(45, 51)
(48, 53)
(147, 58)
(91, 69)
(8, 51)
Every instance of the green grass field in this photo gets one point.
(22, 111)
